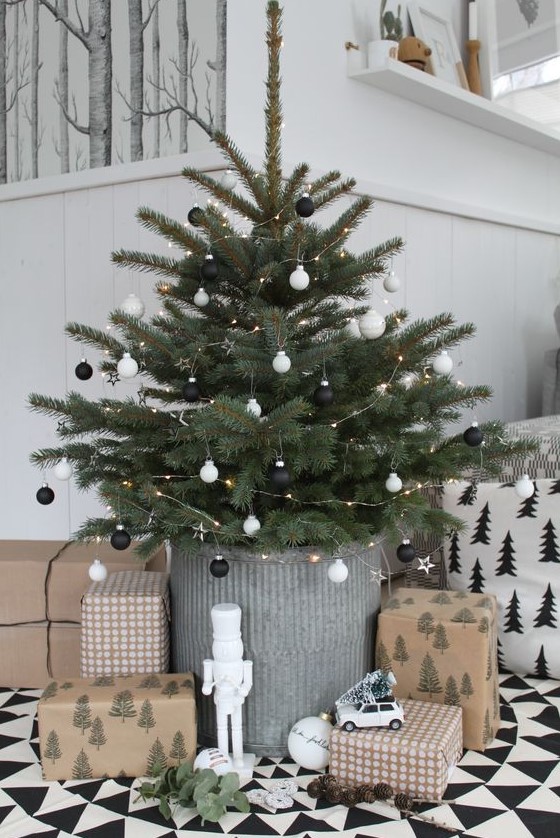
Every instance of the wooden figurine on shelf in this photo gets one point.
(414, 52)
(231, 679)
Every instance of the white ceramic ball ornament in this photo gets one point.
(338, 571)
(524, 487)
(371, 324)
(251, 525)
(228, 180)
(209, 472)
(63, 469)
(97, 571)
(127, 366)
(308, 742)
(393, 482)
(299, 279)
(201, 298)
(253, 407)
(442, 363)
(281, 363)
(391, 283)
(215, 759)
(133, 306)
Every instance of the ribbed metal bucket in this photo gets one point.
(309, 638)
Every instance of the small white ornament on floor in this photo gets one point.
(215, 759)
(308, 741)
(231, 679)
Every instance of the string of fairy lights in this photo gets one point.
(371, 325)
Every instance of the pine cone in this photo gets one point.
(403, 802)
(315, 789)
(361, 791)
(334, 793)
(350, 797)
(369, 795)
(383, 791)
(327, 779)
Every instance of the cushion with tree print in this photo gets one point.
(510, 548)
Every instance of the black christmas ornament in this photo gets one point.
(209, 268)
(406, 552)
(473, 436)
(45, 495)
(191, 390)
(279, 476)
(84, 371)
(120, 539)
(194, 215)
(323, 395)
(305, 206)
(219, 567)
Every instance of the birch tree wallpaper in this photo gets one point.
(89, 83)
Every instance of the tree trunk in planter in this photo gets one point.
(309, 638)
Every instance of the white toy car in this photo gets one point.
(384, 713)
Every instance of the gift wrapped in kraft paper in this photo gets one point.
(417, 759)
(111, 727)
(442, 648)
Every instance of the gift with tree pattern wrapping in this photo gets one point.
(442, 648)
(111, 727)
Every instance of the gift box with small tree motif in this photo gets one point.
(111, 727)
(442, 648)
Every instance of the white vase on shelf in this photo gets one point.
(379, 51)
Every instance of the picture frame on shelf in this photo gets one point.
(437, 32)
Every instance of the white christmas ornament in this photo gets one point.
(63, 469)
(524, 487)
(299, 279)
(308, 741)
(371, 324)
(215, 759)
(97, 571)
(209, 472)
(393, 482)
(251, 525)
(442, 363)
(201, 298)
(133, 306)
(253, 407)
(337, 572)
(228, 180)
(281, 362)
(127, 366)
(391, 283)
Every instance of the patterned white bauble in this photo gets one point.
(393, 482)
(253, 407)
(308, 742)
(133, 306)
(442, 363)
(63, 469)
(299, 279)
(281, 362)
(215, 759)
(524, 487)
(97, 571)
(251, 525)
(201, 298)
(127, 366)
(209, 472)
(391, 283)
(338, 571)
(371, 324)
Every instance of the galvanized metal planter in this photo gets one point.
(309, 639)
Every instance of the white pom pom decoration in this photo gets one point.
(127, 366)
(133, 306)
(201, 298)
(251, 525)
(63, 469)
(209, 472)
(97, 571)
(524, 487)
(299, 279)
(337, 572)
(393, 482)
(281, 362)
(371, 324)
(442, 363)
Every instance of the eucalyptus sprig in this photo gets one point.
(202, 789)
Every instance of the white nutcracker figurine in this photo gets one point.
(231, 678)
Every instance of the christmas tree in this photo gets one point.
(264, 417)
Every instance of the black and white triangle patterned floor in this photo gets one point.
(510, 791)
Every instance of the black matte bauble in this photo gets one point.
(473, 436)
(406, 553)
(323, 395)
(209, 270)
(219, 568)
(191, 391)
(305, 206)
(279, 477)
(120, 540)
(84, 371)
(45, 495)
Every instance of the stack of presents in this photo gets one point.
(111, 707)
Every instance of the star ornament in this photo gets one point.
(200, 531)
(113, 377)
(183, 364)
(377, 576)
(228, 346)
(425, 564)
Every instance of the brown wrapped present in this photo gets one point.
(33, 654)
(125, 625)
(45, 580)
(417, 759)
(110, 727)
(442, 647)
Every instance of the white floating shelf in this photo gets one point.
(430, 92)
